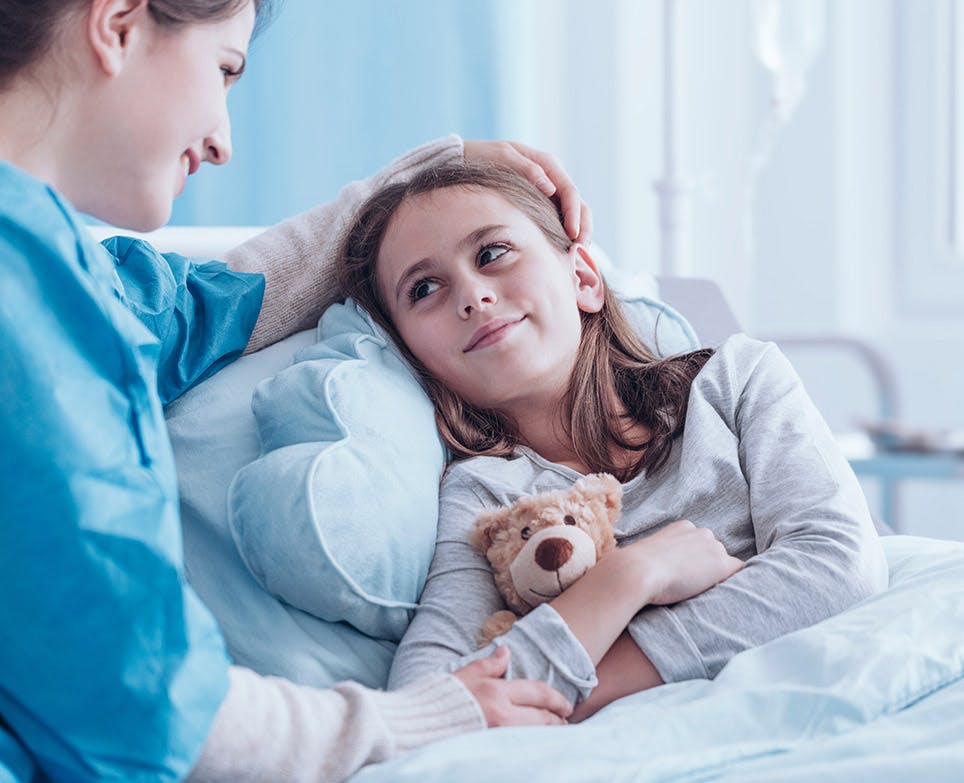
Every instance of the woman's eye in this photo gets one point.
(569, 519)
(230, 75)
(491, 253)
(421, 289)
(525, 533)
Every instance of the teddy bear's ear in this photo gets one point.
(607, 487)
(614, 496)
(486, 526)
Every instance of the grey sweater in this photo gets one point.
(756, 464)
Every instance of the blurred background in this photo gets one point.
(804, 154)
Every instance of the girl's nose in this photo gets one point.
(475, 295)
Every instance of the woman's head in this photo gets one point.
(28, 28)
(120, 100)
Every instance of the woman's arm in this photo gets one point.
(201, 313)
(297, 256)
(268, 728)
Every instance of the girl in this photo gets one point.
(537, 379)
(110, 667)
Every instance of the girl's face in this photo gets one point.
(162, 114)
(482, 298)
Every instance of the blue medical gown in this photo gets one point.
(110, 666)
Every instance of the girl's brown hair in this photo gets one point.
(611, 356)
(28, 27)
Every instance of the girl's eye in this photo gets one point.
(422, 288)
(229, 75)
(491, 253)
(569, 519)
(525, 533)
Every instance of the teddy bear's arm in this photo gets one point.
(498, 624)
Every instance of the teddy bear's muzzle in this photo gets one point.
(551, 560)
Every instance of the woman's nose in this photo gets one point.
(217, 146)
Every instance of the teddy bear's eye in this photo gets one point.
(569, 519)
(525, 533)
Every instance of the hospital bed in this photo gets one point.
(875, 693)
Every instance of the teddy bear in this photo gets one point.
(541, 544)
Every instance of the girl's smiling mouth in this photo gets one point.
(491, 333)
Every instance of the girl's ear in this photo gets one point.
(111, 28)
(590, 286)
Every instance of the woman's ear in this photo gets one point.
(111, 27)
(590, 286)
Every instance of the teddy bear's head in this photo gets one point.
(541, 544)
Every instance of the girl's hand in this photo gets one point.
(681, 561)
(512, 702)
(543, 171)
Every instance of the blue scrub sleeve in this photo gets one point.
(202, 313)
(110, 666)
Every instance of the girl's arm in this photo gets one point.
(818, 552)
(559, 643)
(624, 669)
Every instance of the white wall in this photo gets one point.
(829, 245)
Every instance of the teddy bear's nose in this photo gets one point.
(553, 553)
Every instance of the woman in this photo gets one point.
(110, 667)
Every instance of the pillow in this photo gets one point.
(662, 328)
(213, 434)
(338, 516)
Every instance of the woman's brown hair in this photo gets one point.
(611, 356)
(28, 27)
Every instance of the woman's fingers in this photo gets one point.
(564, 189)
(545, 172)
(512, 702)
(494, 665)
(585, 225)
(534, 694)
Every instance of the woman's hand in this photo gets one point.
(680, 561)
(546, 173)
(512, 702)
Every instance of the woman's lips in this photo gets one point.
(190, 162)
(491, 333)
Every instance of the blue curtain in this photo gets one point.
(336, 89)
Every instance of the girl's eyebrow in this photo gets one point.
(470, 241)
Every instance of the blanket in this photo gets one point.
(873, 694)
